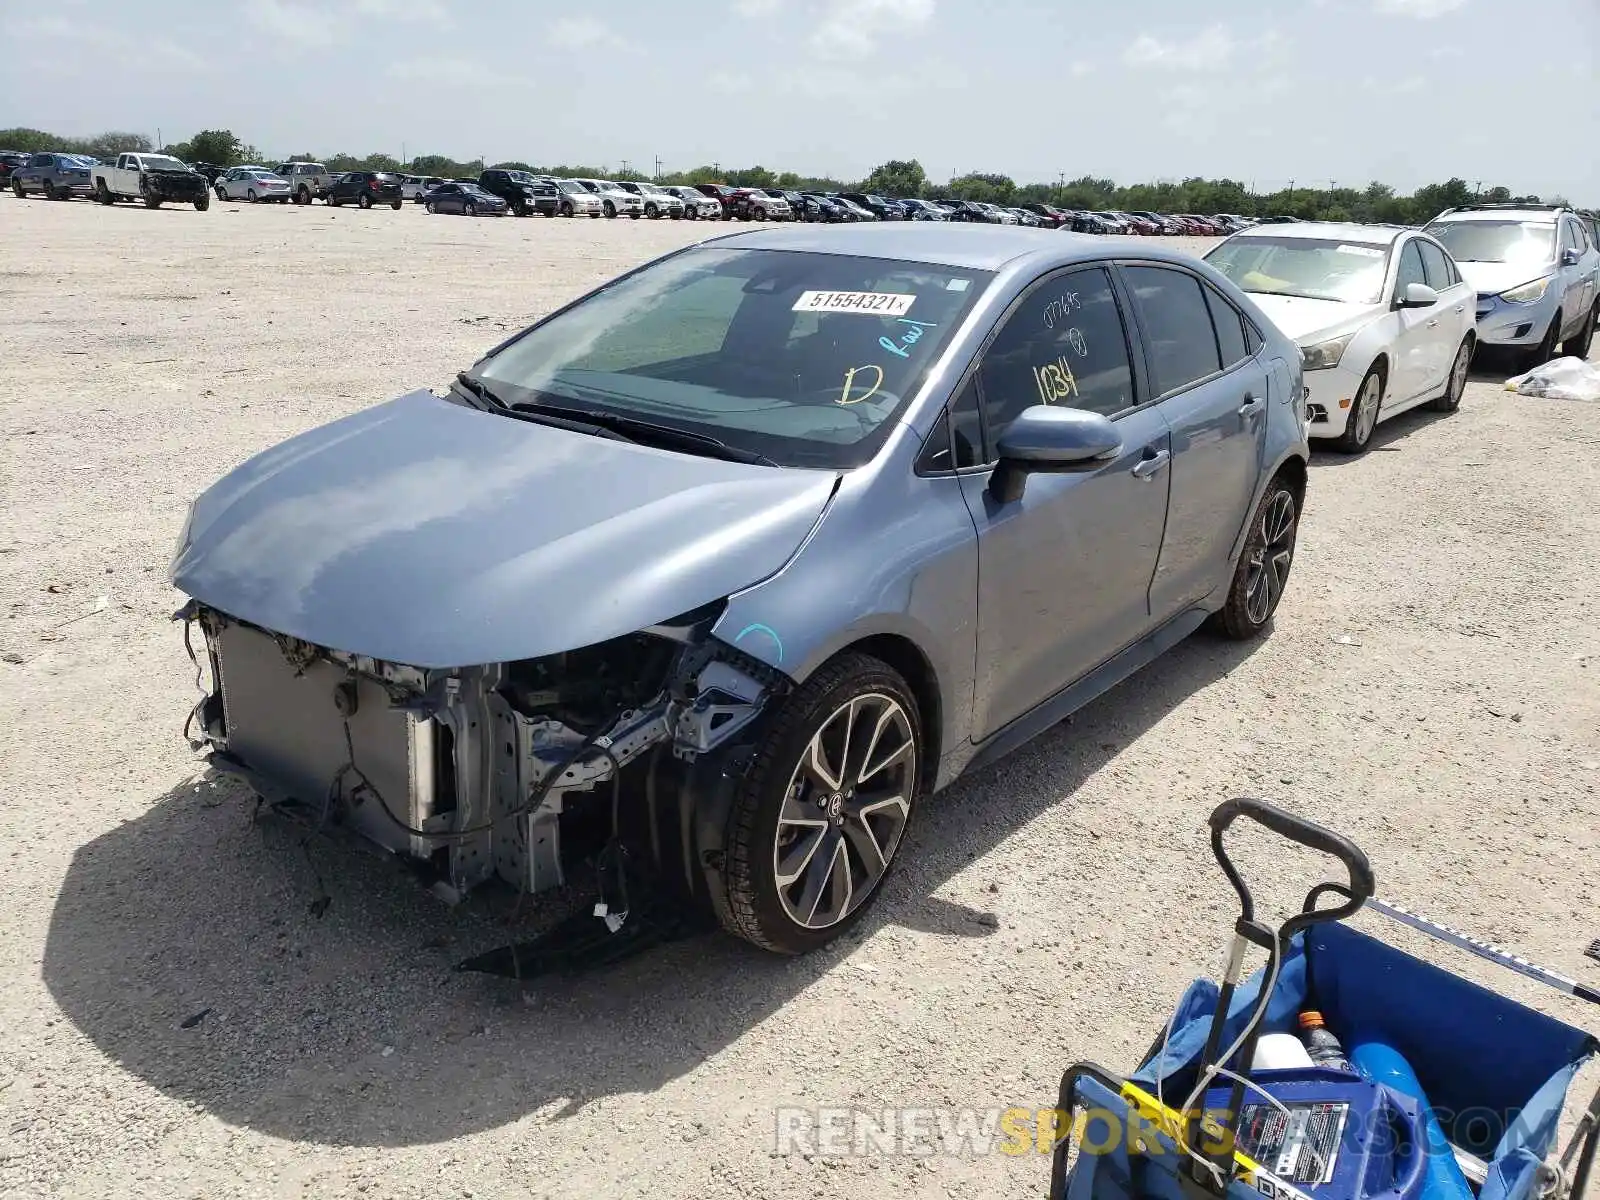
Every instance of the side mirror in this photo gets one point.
(1044, 437)
(1570, 258)
(1417, 295)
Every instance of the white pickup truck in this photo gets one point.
(153, 178)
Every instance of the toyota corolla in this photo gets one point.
(730, 563)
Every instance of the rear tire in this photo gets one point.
(427, 207)
(787, 813)
(1263, 571)
(364, 201)
(102, 193)
(1456, 384)
(16, 189)
(1364, 413)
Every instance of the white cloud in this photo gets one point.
(1422, 10)
(583, 33)
(730, 82)
(461, 72)
(853, 28)
(1082, 67)
(142, 51)
(299, 23)
(1209, 50)
(756, 8)
(426, 12)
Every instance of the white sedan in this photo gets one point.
(1383, 318)
(252, 184)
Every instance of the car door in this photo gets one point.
(1409, 372)
(1445, 324)
(1064, 571)
(1215, 396)
(1578, 279)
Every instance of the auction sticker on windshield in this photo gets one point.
(876, 304)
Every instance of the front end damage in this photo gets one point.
(623, 752)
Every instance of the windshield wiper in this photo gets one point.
(558, 419)
(637, 430)
(479, 391)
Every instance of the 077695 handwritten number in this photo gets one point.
(1060, 308)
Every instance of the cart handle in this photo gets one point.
(1306, 833)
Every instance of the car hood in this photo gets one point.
(424, 532)
(1492, 277)
(1313, 320)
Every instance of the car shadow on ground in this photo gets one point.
(185, 945)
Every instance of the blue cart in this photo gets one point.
(1495, 1073)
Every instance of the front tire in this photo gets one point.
(1263, 570)
(819, 816)
(1547, 347)
(1363, 418)
(250, 195)
(1456, 384)
(471, 209)
(396, 204)
(651, 211)
(566, 209)
(427, 207)
(16, 189)
(1579, 345)
(609, 209)
(202, 202)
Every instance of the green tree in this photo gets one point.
(108, 145)
(990, 189)
(499, 166)
(218, 146)
(897, 177)
(752, 177)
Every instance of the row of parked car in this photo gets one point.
(523, 193)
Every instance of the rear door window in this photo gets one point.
(1229, 326)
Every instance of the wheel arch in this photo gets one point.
(911, 664)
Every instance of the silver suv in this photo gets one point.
(614, 201)
(658, 202)
(1536, 270)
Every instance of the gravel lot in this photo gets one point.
(1430, 688)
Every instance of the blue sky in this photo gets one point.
(1407, 91)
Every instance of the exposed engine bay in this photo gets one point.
(513, 771)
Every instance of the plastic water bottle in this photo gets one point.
(1321, 1044)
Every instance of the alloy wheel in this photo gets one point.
(844, 811)
(1458, 373)
(1367, 404)
(1271, 556)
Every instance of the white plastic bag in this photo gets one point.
(1559, 379)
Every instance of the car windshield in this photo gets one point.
(160, 162)
(566, 185)
(1312, 268)
(1498, 241)
(803, 358)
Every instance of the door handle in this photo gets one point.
(1148, 468)
(1433, 324)
(1251, 406)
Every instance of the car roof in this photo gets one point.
(1532, 215)
(967, 247)
(1382, 235)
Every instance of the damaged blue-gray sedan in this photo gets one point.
(720, 570)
